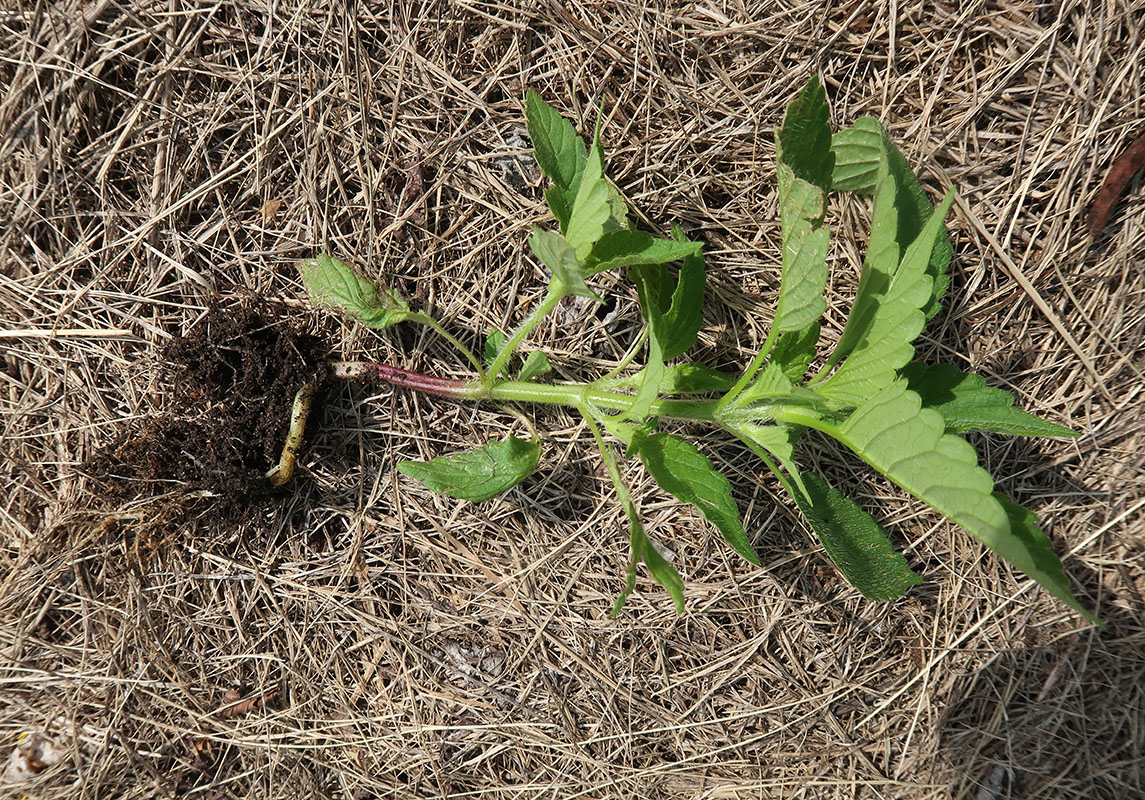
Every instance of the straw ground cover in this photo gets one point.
(166, 632)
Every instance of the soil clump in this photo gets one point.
(233, 377)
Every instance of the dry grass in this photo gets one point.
(424, 647)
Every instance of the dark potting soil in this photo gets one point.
(233, 379)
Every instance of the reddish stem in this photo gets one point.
(420, 382)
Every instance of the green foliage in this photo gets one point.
(901, 418)
(687, 474)
(855, 543)
(805, 160)
(862, 153)
(478, 474)
(333, 284)
(968, 404)
(536, 364)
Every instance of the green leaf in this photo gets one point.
(626, 248)
(803, 148)
(898, 319)
(690, 377)
(879, 266)
(536, 363)
(857, 545)
(591, 208)
(559, 152)
(769, 383)
(685, 313)
(968, 404)
(695, 378)
(559, 257)
(662, 570)
(805, 241)
(685, 473)
(805, 138)
(494, 344)
(794, 350)
(333, 284)
(642, 549)
(617, 208)
(1030, 550)
(477, 474)
(653, 373)
(778, 440)
(909, 445)
(859, 150)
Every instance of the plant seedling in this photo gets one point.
(900, 416)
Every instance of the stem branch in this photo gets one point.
(555, 293)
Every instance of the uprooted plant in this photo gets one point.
(900, 416)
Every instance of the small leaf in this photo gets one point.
(805, 138)
(897, 321)
(685, 473)
(879, 265)
(653, 373)
(536, 363)
(690, 377)
(663, 572)
(804, 168)
(591, 208)
(477, 474)
(333, 284)
(794, 351)
(661, 569)
(695, 378)
(559, 152)
(681, 320)
(803, 150)
(859, 151)
(494, 344)
(855, 543)
(968, 404)
(769, 383)
(617, 208)
(778, 440)
(805, 243)
(559, 257)
(627, 248)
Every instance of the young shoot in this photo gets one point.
(902, 417)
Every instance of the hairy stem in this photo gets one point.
(554, 295)
(436, 327)
(749, 373)
(573, 395)
(419, 382)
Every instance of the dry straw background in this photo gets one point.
(413, 646)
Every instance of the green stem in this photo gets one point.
(629, 357)
(575, 395)
(750, 372)
(435, 326)
(578, 394)
(805, 417)
(636, 529)
(555, 293)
